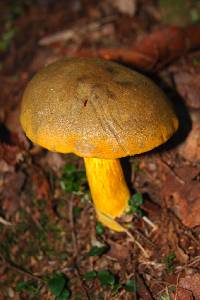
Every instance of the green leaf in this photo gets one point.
(97, 251)
(99, 228)
(169, 262)
(134, 204)
(21, 286)
(106, 277)
(140, 213)
(69, 169)
(90, 275)
(73, 180)
(76, 211)
(138, 199)
(29, 286)
(57, 283)
(130, 286)
(65, 294)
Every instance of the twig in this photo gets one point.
(137, 243)
(166, 288)
(193, 262)
(172, 171)
(153, 263)
(143, 291)
(19, 269)
(150, 223)
(145, 238)
(4, 222)
(75, 32)
(121, 228)
(177, 283)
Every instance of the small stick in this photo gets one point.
(18, 269)
(4, 222)
(137, 243)
(150, 223)
(172, 171)
(177, 283)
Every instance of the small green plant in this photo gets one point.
(169, 262)
(58, 285)
(105, 277)
(97, 251)
(30, 286)
(100, 229)
(73, 180)
(130, 286)
(135, 203)
(135, 163)
(108, 279)
(90, 275)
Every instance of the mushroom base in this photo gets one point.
(109, 190)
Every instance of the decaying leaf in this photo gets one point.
(186, 74)
(154, 51)
(191, 283)
(180, 254)
(190, 148)
(117, 251)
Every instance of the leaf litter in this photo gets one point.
(47, 221)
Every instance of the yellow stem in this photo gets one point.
(108, 188)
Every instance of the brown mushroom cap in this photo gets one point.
(95, 108)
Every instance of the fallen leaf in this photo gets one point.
(190, 148)
(41, 185)
(117, 251)
(186, 74)
(172, 237)
(183, 198)
(154, 51)
(183, 294)
(191, 283)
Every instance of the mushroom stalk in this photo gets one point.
(108, 188)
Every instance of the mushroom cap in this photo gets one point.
(95, 108)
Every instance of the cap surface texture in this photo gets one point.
(95, 108)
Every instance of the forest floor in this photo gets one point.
(51, 245)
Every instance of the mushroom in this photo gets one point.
(101, 111)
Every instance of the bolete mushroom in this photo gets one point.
(101, 111)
